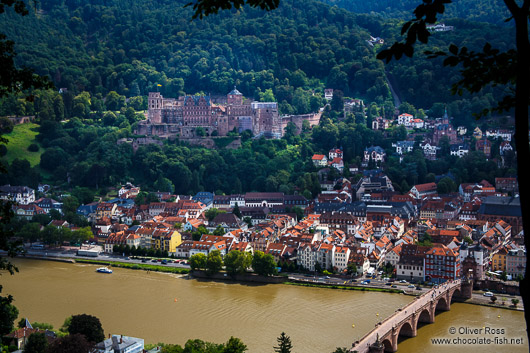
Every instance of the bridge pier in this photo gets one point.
(466, 289)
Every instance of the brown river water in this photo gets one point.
(165, 308)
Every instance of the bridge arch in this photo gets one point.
(407, 330)
(442, 305)
(426, 316)
(455, 293)
(389, 347)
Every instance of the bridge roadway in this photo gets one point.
(404, 322)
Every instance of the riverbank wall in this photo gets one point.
(248, 277)
(47, 258)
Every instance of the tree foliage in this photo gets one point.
(237, 262)
(72, 343)
(8, 314)
(198, 261)
(284, 344)
(88, 326)
(264, 264)
(214, 262)
(37, 343)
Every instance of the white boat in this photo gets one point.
(104, 270)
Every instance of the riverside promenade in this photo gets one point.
(404, 322)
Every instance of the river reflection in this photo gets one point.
(164, 308)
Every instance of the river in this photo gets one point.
(165, 308)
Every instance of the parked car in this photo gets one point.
(410, 286)
(394, 286)
(388, 283)
(418, 288)
(402, 281)
(488, 294)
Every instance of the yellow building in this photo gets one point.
(498, 260)
(166, 240)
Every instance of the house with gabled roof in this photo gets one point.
(442, 264)
(358, 256)
(319, 160)
(341, 256)
(307, 256)
(405, 119)
(335, 153)
(242, 246)
(393, 255)
(27, 211)
(419, 191)
(375, 153)
(20, 194)
(337, 163)
(277, 250)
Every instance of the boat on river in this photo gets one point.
(104, 270)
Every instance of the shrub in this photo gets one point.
(33, 147)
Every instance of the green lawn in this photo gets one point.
(19, 140)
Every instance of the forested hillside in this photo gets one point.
(491, 11)
(131, 46)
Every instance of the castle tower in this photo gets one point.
(235, 97)
(154, 111)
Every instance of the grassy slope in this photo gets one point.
(19, 139)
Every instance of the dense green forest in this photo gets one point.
(131, 46)
(491, 11)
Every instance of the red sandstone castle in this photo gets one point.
(182, 116)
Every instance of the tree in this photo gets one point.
(284, 344)
(503, 276)
(237, 262)
(8, 314)
(207, 7)
(12, 79)
(211, 213)
(214, 262)
(491, 67)
(264, 264)
(198, 261)
(515, 302)
(72, 343)
(37, 343)
(337, 101)
(352, 268)
(87, 325)
(341, 350)
(114, 101)
(234, 345)
(236, 211)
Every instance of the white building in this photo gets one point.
(20, 194)
(341, 255)
(120, 344)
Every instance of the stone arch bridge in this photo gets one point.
(404, 322)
